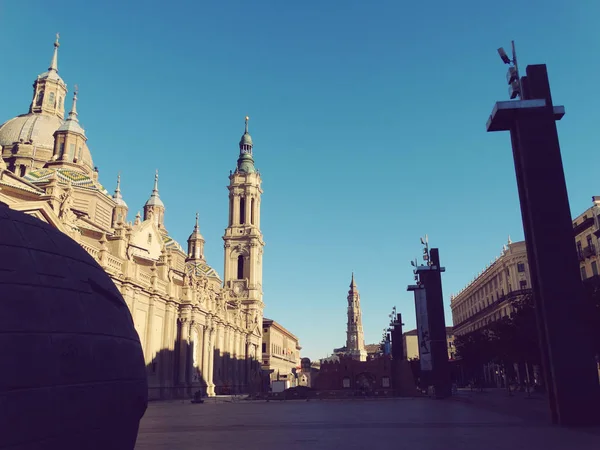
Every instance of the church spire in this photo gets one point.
(54, 61)
(154, 208)
(72, 122)
(245, 163)
(117, 195)
(154, 199)
(49, 89)
(120, 211)
(196, 244)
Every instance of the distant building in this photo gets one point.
(280, 352)
(586, 230)
(410, 342)
(488, 297)
(373, 350)
(355, 337)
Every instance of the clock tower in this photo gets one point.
(243, 246)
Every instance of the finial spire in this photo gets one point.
(196, 227)
(154, 199)
(54, 61)
(247, 119)
(73, 112)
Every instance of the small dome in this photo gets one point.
(62, 312)
(119, 201)
(246, 139)
(73, 126)
(246, 164)
(154, 200)
(38, 128)
(51, 75)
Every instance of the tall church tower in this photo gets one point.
(244, 243)
(355, 338)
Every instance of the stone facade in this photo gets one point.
(487, 297)
(198, 331)
(586, 229)
(280, 352)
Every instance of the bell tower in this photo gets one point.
(355, 337)
(243, 239)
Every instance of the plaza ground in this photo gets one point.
(489, 420)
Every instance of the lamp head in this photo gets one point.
(504, 56)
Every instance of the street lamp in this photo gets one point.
(512, 76)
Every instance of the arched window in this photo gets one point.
(40, 98)
(51, 99)
(252, 211)
(242, 210)
(240, 267)
(231, 212)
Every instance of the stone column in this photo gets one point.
(236, 209)
(200, 350)
(210, 389)
(183, 349)
(148, 350)
(204, 360)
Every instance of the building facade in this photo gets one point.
(410, 342)
(280, 352)
(198, 331)
(586, 229)
(488, 297)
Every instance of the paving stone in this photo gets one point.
(418, 423)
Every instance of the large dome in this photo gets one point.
(37, 128)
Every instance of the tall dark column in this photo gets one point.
(432, 279)
(397, 342)
(567, 352)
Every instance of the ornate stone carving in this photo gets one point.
(65, 214)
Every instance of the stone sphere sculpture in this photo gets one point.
(72, 370)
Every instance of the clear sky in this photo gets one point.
(368, 120)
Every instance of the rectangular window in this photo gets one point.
(71, 152)
(521, 267)
(385, 382)
(523, 284)
(264, 348)
(583, 273)
(594, 268)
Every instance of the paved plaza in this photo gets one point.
(417, 423)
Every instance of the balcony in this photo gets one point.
(492, 306)
(580, 256)
(589, 251)
(583, 226)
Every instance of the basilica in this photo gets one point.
(199, 332)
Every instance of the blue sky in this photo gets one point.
(368, 120)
